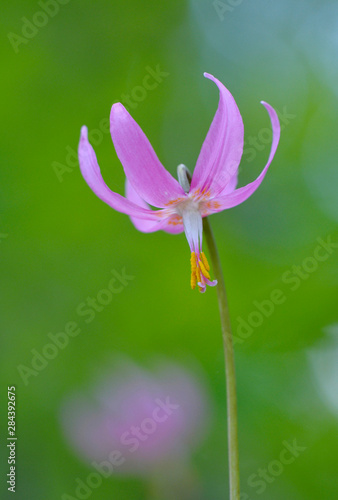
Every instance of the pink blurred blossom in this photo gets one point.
(135, 421)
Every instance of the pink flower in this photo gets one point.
(182, 203)
(135, 421)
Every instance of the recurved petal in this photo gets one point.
(172, 224)
(143, 169)
(239, 195)
(92, 175)
(221, 153)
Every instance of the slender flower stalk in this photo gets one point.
(229, 358)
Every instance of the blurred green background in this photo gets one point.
(59, 242)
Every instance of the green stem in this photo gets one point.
(230, 376)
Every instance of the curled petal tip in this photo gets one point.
(117, 107)
(84, 133)
(275, 124)
(118, 115)
(269, 107)
(208, 75)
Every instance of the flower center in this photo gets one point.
(189, 208)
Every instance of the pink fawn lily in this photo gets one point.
(182, 203)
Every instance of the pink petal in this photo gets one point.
(243, 193)
(172, 226)
(92, 175)
(169, 224)
(221, 153)
(152, 181)
(231, 186)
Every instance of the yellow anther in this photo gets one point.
(198, 275)
(193, 262)
(204, 271)
(199, 269)
(193, 281)
(205, 261)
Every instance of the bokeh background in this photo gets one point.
(59, 243)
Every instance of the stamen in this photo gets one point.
(198, 275)
(200, 272)
(203, 269)
(205, 261)
(193, 281)
(193, 262)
